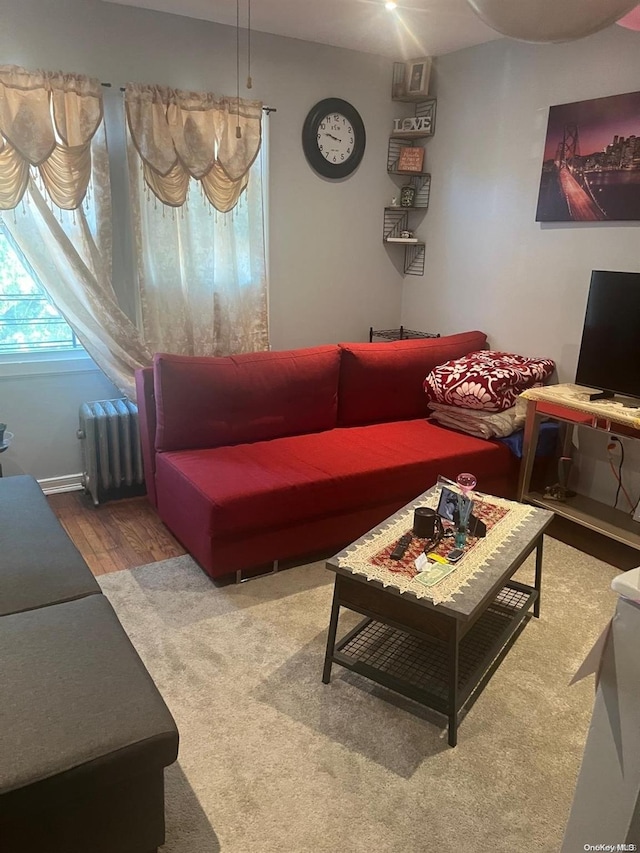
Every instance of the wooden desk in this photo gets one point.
(570, 405)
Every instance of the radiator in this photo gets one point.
(111, 454)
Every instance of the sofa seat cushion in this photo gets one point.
(39, 564)
(81, 706)
(231, 490)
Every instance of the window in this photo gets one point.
(29, 323)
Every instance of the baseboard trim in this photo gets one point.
(55, 485)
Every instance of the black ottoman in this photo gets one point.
(84, 735)
(39, 564)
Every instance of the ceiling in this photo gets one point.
(416, 28)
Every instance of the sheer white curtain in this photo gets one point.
(197, 202)
(55, 202)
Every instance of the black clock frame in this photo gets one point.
(310, 138)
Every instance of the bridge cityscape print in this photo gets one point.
(591, 167)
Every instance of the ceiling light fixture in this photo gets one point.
(632, 20)
(548, 20)
(390, 5)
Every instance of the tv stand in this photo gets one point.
(572, 405)
(602, 395)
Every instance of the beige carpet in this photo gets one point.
(273, 760)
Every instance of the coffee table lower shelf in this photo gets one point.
(419, 665)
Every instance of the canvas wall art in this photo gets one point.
(591, 165)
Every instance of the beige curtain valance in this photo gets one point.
(47, 121)
(183, 135)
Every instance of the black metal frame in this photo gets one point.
(453, 660)
(396, 220)
(399, 334)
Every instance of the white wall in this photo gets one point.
(489, 265)
(41, 410)
(331, 277)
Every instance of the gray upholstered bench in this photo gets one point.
(84, 733)
(39, 564)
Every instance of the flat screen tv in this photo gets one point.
(610, 350)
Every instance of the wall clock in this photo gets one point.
(333, 138)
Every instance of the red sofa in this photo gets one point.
(275, 455)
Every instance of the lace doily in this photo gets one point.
(366, 557)
(577, 397)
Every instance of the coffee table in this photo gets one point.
(440, 653)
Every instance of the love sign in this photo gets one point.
(412, 123)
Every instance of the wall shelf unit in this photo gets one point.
(396, 220)
(420, 181)
(400, 218)
(425, 110)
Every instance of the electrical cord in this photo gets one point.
(618, 474)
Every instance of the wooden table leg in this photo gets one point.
(529, 447)
(331, 638)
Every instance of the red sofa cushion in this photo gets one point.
(212, 402)
(384, 381)
(275, 484)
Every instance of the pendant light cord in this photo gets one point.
(249, 80)
(238, 131)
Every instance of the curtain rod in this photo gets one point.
(265, 109)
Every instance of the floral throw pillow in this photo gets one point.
(486, 380)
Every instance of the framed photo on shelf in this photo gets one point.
(411, 159)
(417, 77)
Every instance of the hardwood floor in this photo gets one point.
(117, 535)
(123, 534)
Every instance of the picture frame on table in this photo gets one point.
(454, 507)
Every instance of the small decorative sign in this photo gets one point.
(411, 159)
(412, 124)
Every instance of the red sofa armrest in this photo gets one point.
(147, 421)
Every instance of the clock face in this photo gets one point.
(336, 138)
(333, 138)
